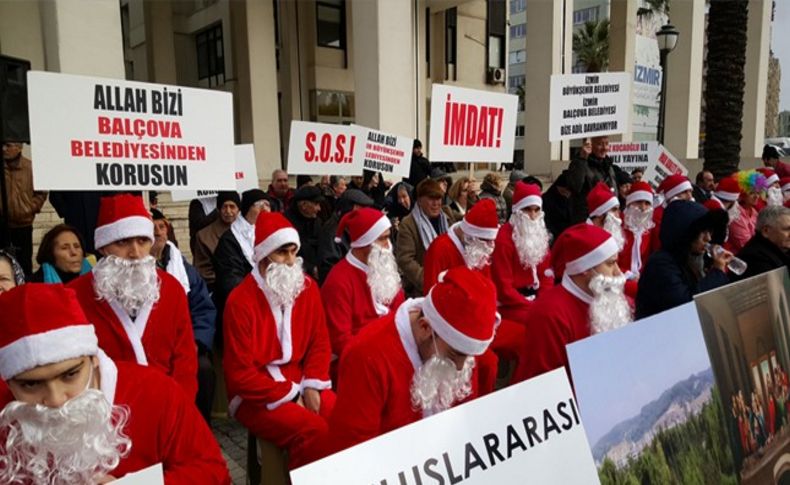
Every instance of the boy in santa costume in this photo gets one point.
(140, 312)
(604, 207)
(70, 414)
(277, 351)
(673, 187)
(416, 362)
(637, 227)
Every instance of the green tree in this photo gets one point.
(591, 46)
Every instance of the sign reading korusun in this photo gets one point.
(591, 104)
(92, 133)
(526, 433)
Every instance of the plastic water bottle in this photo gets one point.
(736, 265)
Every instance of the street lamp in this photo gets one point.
(667, 39)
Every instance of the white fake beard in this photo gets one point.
(637, 220)
(286, 282)
(437, 384)
(131, 283)
(78, 442)
(383, 277)
(613, 225)
(775, 197)
(609, 309)
(734, 212)
(477, 252)
(530, 237)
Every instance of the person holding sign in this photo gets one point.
(276, 346)
(605, 212)
(70, 414)
(417, 361)
(584, 174)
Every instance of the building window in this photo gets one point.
(332, 106)
(518, 31)
(517, 6)
(520, 130)
(210, 56)
(516, 81)
(427, 42)
(450, 47)
(517, 57)
(496, 24)
(331, 23)
(585, 15)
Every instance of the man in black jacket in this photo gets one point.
(303, 214)
(420, 166)
(583, 175)
(768, 248)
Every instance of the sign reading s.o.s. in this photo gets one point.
(325, 149)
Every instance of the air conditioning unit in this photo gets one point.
(496, 75)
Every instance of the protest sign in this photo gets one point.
(584, 105)
(325, 149)
(469, 125)
(633, 155)
(662, 164)
(153, 475)
(386, 153)
(92, 133)
(246, 175)
(526, 433)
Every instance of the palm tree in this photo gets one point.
(591, 46)
(725, 84)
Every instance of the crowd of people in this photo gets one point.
(343, 309)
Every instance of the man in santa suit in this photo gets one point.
(637, 225)
(521, 263)
(673, 187)
(70, 414)
(589, 300)
(277, 349)
(140, 312)
(773, 192)
(365, 285)
(416, 362)
(604, 207)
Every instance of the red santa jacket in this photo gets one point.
(167, 342)
(374, 383)
(626, 259)
(348, 302)
(273, 354)
(511, 278)
(655, 241)
(164, 426)
(445, 252)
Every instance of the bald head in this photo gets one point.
(280, 182)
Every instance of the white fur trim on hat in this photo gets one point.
(477, 231)
(455, 339)
(639, 196)
(728, 196)
(786, 187)
(132, 226)
(373, 233)
(681, 187)
(528, 201)
(771, 180)
(606, 250)
(47, 348)
(605, 207)
(280, 237)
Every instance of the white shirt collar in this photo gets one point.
(454, 238)
(403, 325)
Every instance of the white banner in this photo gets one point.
(91, 133)
(246, 175)
(633, 154)
(153, 475)
(325, 149)
(526, 433)
(386, 153)
(662, 165)
(590, 104)
(469, 125)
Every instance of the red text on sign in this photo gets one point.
(472, 125)
(329, 150)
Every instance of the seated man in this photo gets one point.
(365, 285)
(140, 312)
(768, 249)
(276, 347)
(70, 414)
(605, 212)
(207, 239)
(415, 362)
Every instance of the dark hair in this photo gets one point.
(640, 170)
(46, 249)
(700, 175)
(531, 179)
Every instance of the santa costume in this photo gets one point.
(601, 200)
(669, 188)
(43, 324)
(518, 284)
(560, 315)
(637, 241)
(161, 334)
(378, 367)
(349, 303)
(274, 353)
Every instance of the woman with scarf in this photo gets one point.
(11, 273)
(61, 256)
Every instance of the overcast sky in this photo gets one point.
(781, 46)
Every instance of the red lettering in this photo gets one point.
(76, 148)
(326, 147)
(340, 149)
(350, 157)
(482, 132)
(471, 125)
(104, 125)
(457, 124)
(309, 154)
(447, 124)
(501, 113)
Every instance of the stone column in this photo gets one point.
(756, 69)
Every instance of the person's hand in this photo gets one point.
(312, 400)
(721, 257)
(300, 401)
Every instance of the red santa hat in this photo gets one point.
(42, 324)
(481, 220)
(272, 230)
(785, 183)
(640, 191)
(581, 247)
(461, 309)
(770, 175)
(364, 225)
(713, 204)
(120, 217)
(673, 185)
(601, 200)
(525, 195)
(728, 189)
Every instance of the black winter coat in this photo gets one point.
(762, 255)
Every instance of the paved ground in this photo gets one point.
(232, 438)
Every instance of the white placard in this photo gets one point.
(590, 104)
(325, 149)
(662, 165)
(91, 133)
(526, 433)
(387, 153)
(153, 475)
(470, 125)
(246, 175)
(633, 154)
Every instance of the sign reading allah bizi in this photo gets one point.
(109, 134)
